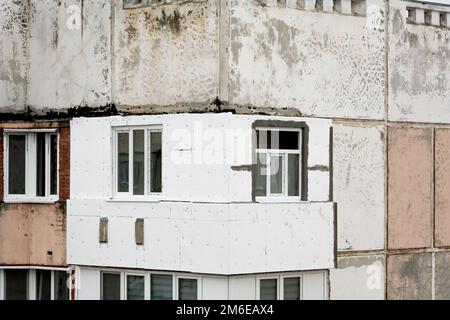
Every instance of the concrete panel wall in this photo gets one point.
(166, 54)
(442, 187)
(13, 55)
(358, 183)
(319, 64)
(409, 276)
(419, 67)
(204, 238)
(32, 234)
(409, 187)
(70, 60)
(358, 278)
(442, 280)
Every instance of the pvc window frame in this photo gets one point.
(30, 166)
(280, 283)
(267, 277)
(148, 195)
(147, 276)
(283, 197)
(188, 277)
(31, 281)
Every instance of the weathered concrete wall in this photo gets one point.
(442, 187)
(166, 54)
(358, 278)
(358, 183)
(320, 64)
(32, 234)
(70, 54)
(13, 55)
(442, 276)
(409, 276)
(409, 187)
(419, 67)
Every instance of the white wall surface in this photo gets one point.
(242, 288)
(215, 288)
(314, 286)
(190, 173)
(203, 238)
(358, 278)
(88, 284)
(358, 183)
(205, 221)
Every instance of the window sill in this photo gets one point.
(279, 200)
(31, 200)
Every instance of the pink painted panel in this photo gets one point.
(442, 187)
(409, 188)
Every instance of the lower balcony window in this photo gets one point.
(111, 286)
(35, 284)
(280, 288)
(16, 284)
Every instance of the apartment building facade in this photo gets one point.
(226, 149)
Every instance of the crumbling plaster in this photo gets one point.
(13, 55)
(419, 68)
(321, 64)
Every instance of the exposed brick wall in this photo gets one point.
(64, 163)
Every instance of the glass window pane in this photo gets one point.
(40, 164)
(275, 139)
(161, 287)
(135, 287)
(276, 174)
(16, 161)
(16, 283)
(43, 284)
(268, 289)
(155, 161)
(261, 175)
(187, 289)
(293, 175)
(53, 164)
(288, 140)
(263, 139)
(292, 288)
(61, 285)
(123, 161)
(138, 162)
(111, 286)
